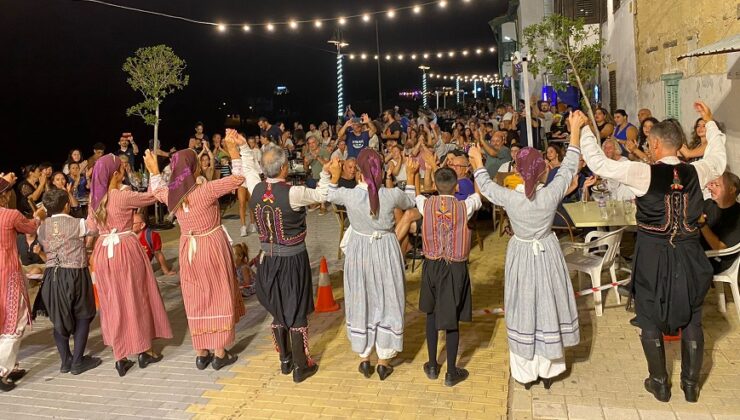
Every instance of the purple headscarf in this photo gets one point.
(102, 173)
(371, 168)
(184, 164)
(531, 166)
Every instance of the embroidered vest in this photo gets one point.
(673, 203)
(60, 238)
(277, 222)
(445, 230)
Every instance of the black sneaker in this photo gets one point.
(431, 370)
(66, 366)
(456, 376)
(219, 363)
(86, 364)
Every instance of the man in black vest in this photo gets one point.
(670, 274)
(283, 283)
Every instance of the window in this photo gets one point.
(592, 11)
(672, 96)
(613, 91)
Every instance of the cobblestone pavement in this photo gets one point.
(604, 379)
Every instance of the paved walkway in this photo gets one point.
(605, 379)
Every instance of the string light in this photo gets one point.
(401, 56)
(246, 28)
(270, 27)
(363, 56)
(341, 20)
(487, 78)
(293, 24)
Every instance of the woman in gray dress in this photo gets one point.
(541, 313)
(374, 292)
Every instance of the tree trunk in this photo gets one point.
(588, 102)
(156, 131)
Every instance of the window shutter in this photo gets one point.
(613, 91)
(672, 97)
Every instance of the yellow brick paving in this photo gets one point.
(338, 390)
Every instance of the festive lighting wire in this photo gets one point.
(464, 53)
(365, 16)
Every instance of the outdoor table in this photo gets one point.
(587, 214)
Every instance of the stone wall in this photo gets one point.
(667, 29)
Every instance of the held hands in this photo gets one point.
(577, 120)
(10, 177)
(150, 161)
(334, 168)
(412, 168)
(476, 158)
(40, 213)
(703, 110)
(230, 143)
(365, 119)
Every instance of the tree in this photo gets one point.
(565, 47)
(155, 72)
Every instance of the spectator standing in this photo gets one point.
(359, 137)
(269, 131)
(128, 147)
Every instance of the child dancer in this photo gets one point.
(67, 289)
(445, 284)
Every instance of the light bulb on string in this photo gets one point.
(400, 57)
(351, 56)
(413, 56)
(317, 23)
(293, 24)
(439, 55)
(366, 17)
(270, 27)
(443, 4)
(221, 27)
(465, 53)
(342, 21)
(375, 57)
(492, 49)
(388, 57)
(417, 9)
(391, 14)
(426, 55)
(451, 53)
(478, 51)
(363, 56)
(246, 28)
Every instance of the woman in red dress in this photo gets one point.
(132, 313)
(210, 291)
(14, 303)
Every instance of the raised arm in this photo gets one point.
(635, 175)
(496, 194)
(335, 194)
(715, 156)
(219, 188)
(343, 130)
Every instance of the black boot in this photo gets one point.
(123, 365)
(692, 355)
(146, 359)
(657, 383)
(281, 339)
(202, 362)
(303, 366)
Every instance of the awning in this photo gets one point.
(724, 46)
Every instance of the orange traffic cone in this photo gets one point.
(324, 296)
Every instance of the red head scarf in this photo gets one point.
(531, 166)
(371, 168)
(184, 164)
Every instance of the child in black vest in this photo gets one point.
(67, 290)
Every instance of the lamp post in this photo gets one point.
(338, 41)
(520, 58)
(457, 89)
(424, 101)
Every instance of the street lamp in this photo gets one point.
(424, 85)
(339, 42)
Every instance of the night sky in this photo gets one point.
(63, 87)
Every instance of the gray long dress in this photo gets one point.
(541, 314)
(374, 292)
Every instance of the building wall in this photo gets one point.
(619, 52)
(665, 30)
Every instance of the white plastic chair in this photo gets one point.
(727, 276)
(599, 253)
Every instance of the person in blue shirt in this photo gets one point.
(460, 164)
(359, 137)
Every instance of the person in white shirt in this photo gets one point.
(671, 274)
(341, 151)
(618, 190)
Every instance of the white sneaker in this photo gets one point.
(252, 229)
(243, 231)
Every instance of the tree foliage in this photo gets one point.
(155, 72)
(567, 49)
